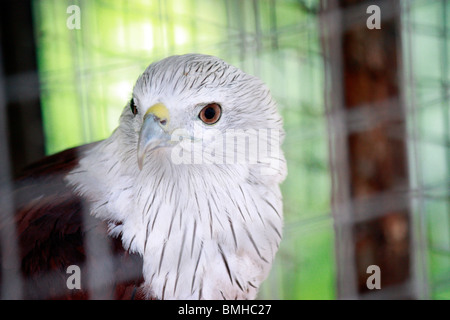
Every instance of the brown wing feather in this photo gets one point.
(51, 236)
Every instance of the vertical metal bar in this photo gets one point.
(273, 24)
(445, 103)
(258, 38)
(239, 12)
(11, 280)
(193, 26)
(99, 255)
(99, 259)
(23, 111)
(445, 88)
(330, 23)
(419, 244)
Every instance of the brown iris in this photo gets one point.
(211, 113)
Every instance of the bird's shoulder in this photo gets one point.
(50, 229)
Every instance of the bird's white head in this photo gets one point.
(220, 114)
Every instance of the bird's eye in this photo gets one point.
(211, 113)
(133, 107)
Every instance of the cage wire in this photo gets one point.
(86, 77)
(426, 35)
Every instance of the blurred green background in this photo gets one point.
(426, 36)
(87, 75)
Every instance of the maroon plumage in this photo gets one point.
(52, 228)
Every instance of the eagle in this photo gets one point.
(182, 201)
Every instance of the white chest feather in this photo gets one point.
(203, 232)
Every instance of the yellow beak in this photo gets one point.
(153, 132)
